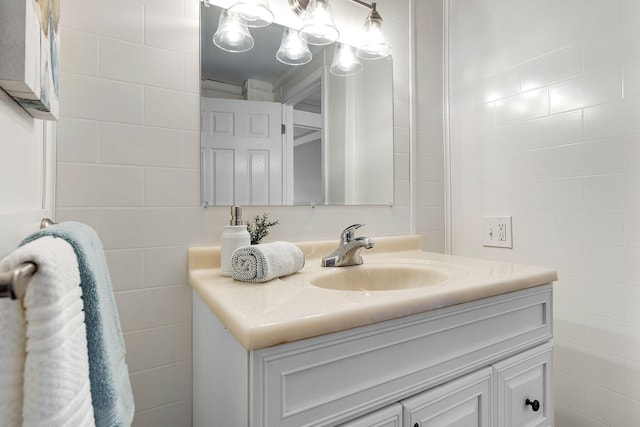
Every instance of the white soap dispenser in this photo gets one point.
(234, 236)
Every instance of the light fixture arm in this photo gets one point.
(374, 14)
(370, 6)
(299, 6)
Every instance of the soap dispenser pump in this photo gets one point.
(234, 236)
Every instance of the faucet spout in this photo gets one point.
(348, 251)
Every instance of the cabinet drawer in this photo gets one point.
(465, 402)
(524, 389)
(326, 380)
(390, 416)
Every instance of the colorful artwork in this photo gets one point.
(29, 54)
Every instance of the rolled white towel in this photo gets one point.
(261, 263)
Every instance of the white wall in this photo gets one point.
(428, 176)
(545, 101)
(307, 173)
(128, 165)
(27, 165)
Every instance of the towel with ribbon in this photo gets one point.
(261, 263)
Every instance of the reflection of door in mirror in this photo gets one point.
(241, 145)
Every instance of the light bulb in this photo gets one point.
(232, 35)
(345, 62)
(374, 45)
(318, 27)
(293, 50)
(255, 13)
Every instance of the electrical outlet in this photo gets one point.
(502, 232)
(497, 232)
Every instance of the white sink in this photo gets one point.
(396, 280)
(381, 277)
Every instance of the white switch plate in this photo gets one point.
(497, 232)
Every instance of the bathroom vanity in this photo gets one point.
(471, 346)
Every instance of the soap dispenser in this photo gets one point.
(234, 236)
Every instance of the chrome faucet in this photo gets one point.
(348, 252)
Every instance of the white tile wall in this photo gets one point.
(140, 145)
(80, 54)
(128, 165)
(136, 63)
(172, 109)
(100, 99)
(547, 131)
(81, 141)
(126, 267)
(100, 185)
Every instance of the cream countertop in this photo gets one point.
(290, 308)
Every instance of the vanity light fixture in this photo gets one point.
(232, 34)
(373, 45)
(318, 27)
(255, 13)
(345, 62)
(293, 50)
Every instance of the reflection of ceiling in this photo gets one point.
(259, 63)
(234, 68)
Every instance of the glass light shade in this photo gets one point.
(318, 27)
(255, 13)
(374, 45)
(293, 50)
(232, 35)
(345, 62)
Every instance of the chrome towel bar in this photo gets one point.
(14, 283)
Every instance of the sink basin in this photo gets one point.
(381, 277)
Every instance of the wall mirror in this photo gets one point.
(276, 134)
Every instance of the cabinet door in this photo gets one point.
(464, 402)
(524, 389)
(390, 416)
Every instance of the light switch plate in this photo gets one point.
(497, 232)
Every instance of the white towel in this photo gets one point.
(53, 387)
(260, 263)
(12, 354)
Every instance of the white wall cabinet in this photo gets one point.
(472, 364)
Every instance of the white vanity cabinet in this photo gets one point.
(518, 388)
(513, 392)
(464, 402)
(470, 364)
(524, 392)
(390, 416)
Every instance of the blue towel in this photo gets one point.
(108, 373)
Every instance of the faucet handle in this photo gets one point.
(347, 233)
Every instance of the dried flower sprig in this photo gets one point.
(260, 227)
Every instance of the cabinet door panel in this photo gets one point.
(524, 378)
(465, 402)
(390, 416)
